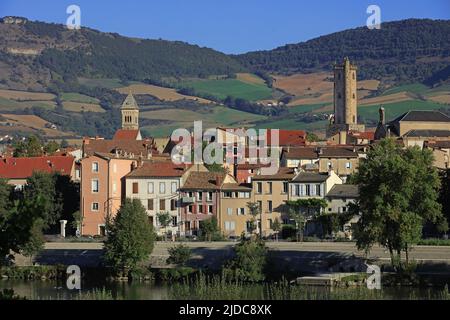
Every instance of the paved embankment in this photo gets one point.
(307, 255)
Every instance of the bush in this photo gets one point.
(175, 274)
(35, 272)
(288, 231)
(250, 262)
(179, 255)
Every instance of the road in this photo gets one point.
(314, 250)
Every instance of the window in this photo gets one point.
(353, 74)
(150, 204)
(209, 196)
(354, 96)
(135, 187)
(173, 204)
(260, 206)
(230, 225)
(114, 187)
(269, 223)
(200, 209)
(227, 194)
(348, 165)
(174, 221)
(269, 206)
(259, 187)
(94, 166)
(162, 204)
(210, 209)
(269, 187)
(94, 185)
(285, 187)
(297, 190)
(162, 187)
(190, 194)
(150, 187)
(308, 190)
(241, 211)
(94, 206)
(190, 208)
(229, 211)
(200, 196)
(174, 187)
(318, 190)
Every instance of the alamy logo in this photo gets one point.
(374, 280)
(374, 20)
(74, 278)
(73, 22)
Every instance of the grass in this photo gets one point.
(230, 87)
(211, 117)
(306, 107)
(216, 288)
(413, 88)
(77, 97)
(108, 83)
(395, 109)
(434, 242)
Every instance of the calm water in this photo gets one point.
(52, 290)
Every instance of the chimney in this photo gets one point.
(382, 116)
(217, 181)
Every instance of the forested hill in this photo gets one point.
(41, 50)
(404, 50)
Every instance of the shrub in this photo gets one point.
(249, 263)
(179, 255)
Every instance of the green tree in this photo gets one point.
(250, 261)
(42, 185)
(32, 147)
(130, 237)
(276, 226)
(164, 220)
(398, 195)
(254, 210)
(209, 227)
(51, 147)
(304, 210)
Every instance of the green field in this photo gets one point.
(77, 97)
(306, 108)
(216, 116)
(396, 109)
(413, 88)
(230, 87)
(104, 83)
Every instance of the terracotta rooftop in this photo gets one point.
(123, 134)
(159, 169)
(22, 168)
(144, 147)
(237, 187)
(288, 137)
(301, 153)
(338, 152)
(204, 181)
(282, 174)
(369, 135)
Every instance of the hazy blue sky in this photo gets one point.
(231, 26)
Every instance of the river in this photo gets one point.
(53, 290)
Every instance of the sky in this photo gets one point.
(230, 26)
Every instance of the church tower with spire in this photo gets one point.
(130, 113)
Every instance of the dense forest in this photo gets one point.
(404, 50)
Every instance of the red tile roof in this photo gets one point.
(204, 181)
(288, 137)
(123, 134)
(144, 147)
(22, 168)
(159, 169)
(368, 135)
